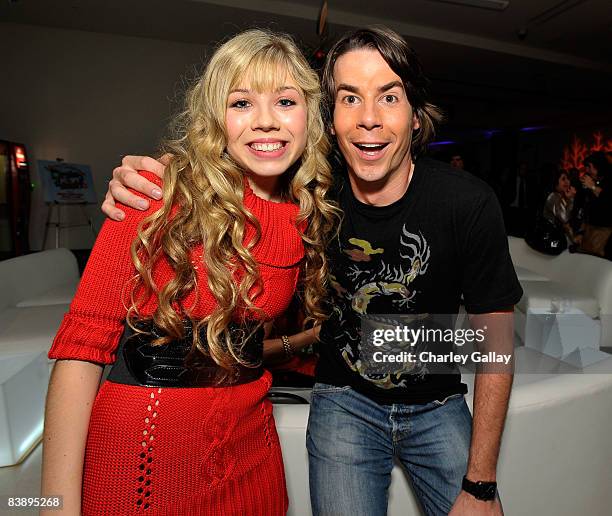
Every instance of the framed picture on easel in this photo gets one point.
(66, 183)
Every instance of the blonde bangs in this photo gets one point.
(268, 70)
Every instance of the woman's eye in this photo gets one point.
(287, 102)
(240, 104)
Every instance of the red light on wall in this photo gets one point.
(574, 154)
(20, 157)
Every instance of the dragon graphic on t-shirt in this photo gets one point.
(383, 282)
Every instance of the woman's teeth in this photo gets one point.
(266, 147)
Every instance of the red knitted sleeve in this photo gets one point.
(93, 326)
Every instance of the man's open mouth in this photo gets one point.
(370, 149)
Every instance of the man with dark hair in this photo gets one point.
(456, 161)
(598, 206)
(416, 237)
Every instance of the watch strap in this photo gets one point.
(480, 490)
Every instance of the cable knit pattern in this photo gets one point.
(178, 451)
(196, 451)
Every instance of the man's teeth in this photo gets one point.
(371, 146)
(266, 147)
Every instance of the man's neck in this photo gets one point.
(383, 192)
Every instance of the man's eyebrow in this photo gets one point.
(347, 87)
(383, 88)
(389, 85)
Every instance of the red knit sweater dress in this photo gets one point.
(178, 451)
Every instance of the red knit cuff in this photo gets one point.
(81, 339)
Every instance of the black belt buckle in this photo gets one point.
(169, 365)
(161, 365)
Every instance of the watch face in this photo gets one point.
(489, 492)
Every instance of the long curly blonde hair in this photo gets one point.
(203, 200)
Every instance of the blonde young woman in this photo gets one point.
(176, 298)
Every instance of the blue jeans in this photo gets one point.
(353, 440)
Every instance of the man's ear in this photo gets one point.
(332, 130)
(416, 123)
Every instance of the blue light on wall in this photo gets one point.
(445, 142)
(531, 129)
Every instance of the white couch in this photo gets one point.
(585, 280)
(36, 292)
(556, 458)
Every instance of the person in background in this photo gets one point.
(559, 206)
(521, 198)
(456, 161)
(518, 199)
(175, 298)
(546, 180)
(576, 221)
(598, 206)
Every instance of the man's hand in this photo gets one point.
(587, 181)
(127, 176)
(467, 505)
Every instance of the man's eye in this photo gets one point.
(287, 102)
(391, 99)
(350, 99)
(240, 104)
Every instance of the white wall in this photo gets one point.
(88, 98)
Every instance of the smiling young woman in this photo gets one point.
(266, 129)
(175, 298)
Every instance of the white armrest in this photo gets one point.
(30, 276)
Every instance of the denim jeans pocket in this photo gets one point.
(440, 403)
(325, 388)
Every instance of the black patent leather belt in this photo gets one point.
(175, 364)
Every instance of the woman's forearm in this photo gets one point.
(274, 350)
(72, 390)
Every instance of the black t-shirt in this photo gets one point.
(599, 209)
(442, 240)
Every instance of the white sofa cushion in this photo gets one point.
(524, 274)
(581, 274)
(29, 329)
(33, 275)
(538, 294)
(61, 295)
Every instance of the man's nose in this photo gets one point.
(369, 116)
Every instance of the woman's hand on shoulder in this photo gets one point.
(127, 176)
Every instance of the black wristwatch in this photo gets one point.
(484, 491)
